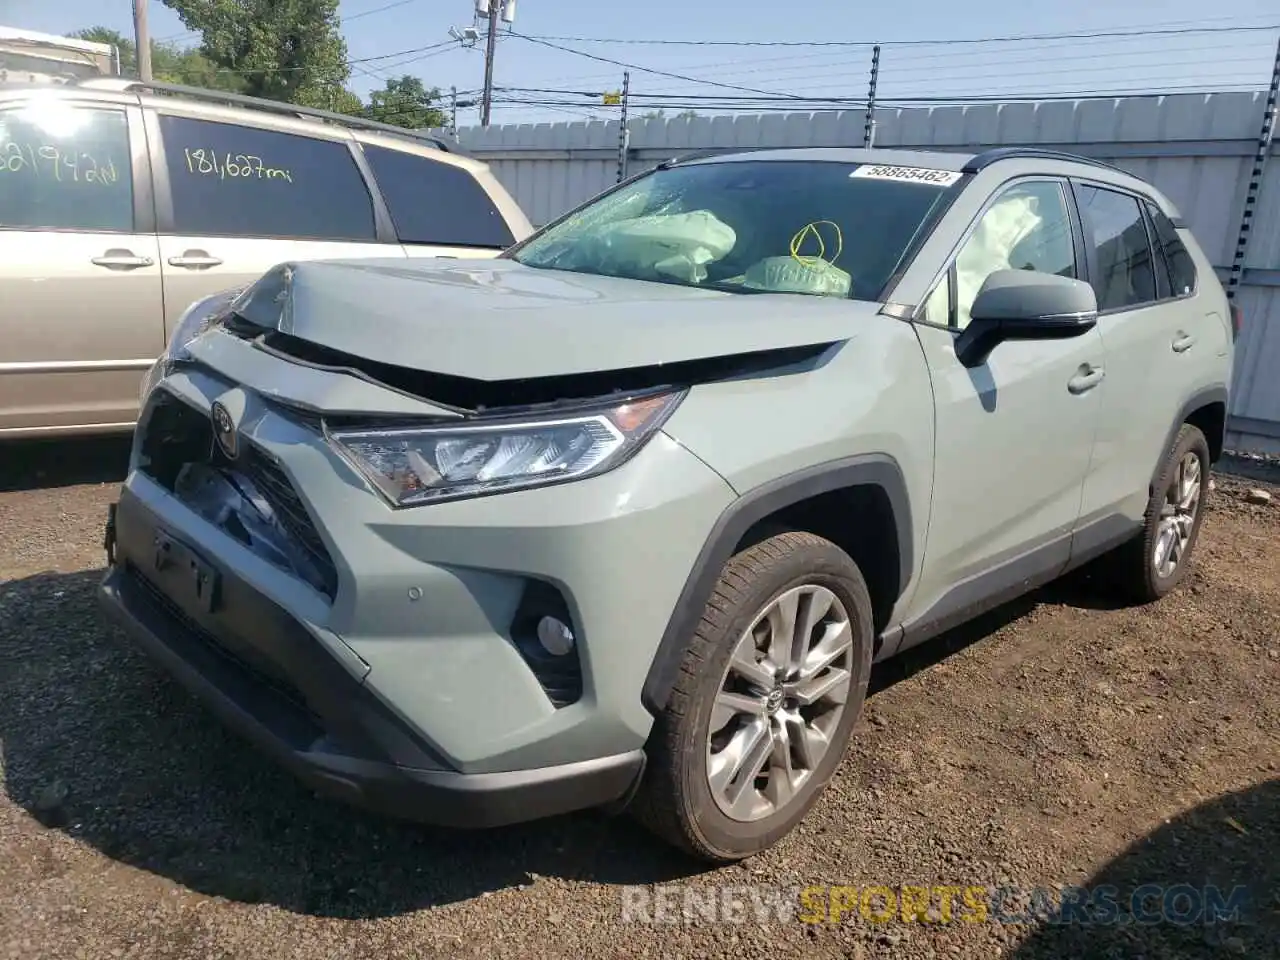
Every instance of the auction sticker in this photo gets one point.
(877, 171)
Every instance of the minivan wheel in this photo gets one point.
(1155, 562)
(770, 686)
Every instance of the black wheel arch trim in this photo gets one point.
(879, 470)
(1199, 399)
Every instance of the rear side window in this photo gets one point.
(1123, 274)
(64, 167)
(229, 180)
(1182, 269)
(436, 203)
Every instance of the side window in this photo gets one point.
(937, 307)
(1182, 269)
(65, 167)
(433, 202)
(229, 180)
(1026, 228)
(1113, 226)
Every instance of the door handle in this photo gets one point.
(194, 260)
(1183, 342)
(121, 260)
(1084, 381)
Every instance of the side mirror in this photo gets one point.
(1025, 305)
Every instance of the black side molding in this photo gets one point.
(878, 470)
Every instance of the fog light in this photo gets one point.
(555, 636)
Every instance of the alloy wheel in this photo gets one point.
(780, 702)
(1178, 515)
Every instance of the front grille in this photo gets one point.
(175, 434)
(293, 515)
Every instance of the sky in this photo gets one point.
(929, 49)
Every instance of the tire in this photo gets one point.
(676, 799)
(1133, 570)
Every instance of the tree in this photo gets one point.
(406, 102)
(169, 63)
(289, 50)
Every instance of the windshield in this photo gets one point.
(752, 226)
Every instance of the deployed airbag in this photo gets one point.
(791, 275)
(677, 245)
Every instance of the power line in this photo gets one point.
(902, 102)
(427, 51)
(1016, 38)
(382, 9)
(730, 68)
(355, 16)
(633, 66)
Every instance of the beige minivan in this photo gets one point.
(121, 203)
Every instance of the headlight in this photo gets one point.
(427, 465)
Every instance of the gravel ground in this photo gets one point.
(1058, 741)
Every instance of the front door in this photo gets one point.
(1014, 436)
(80, 283)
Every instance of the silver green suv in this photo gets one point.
(624, 517)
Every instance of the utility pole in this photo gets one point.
(142, 40)
(453, 110)
(490, 45)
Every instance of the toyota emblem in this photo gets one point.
(224, 430)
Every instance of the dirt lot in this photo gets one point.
(1057, 742)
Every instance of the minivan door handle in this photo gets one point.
(121, 260)
(194, 260)
(1183, 342)
(1086, 379)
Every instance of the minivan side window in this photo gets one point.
(1124, 275)
(230, 180)
(433, 202)
(1027, 227)
(1182, 269)
(65, 167)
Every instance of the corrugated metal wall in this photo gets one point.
(1197, 148)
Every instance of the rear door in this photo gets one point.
(440, 207)
(80, 286)
(1147, 329)
(235, 199)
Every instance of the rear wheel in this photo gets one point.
(1154, 563)
(769, 689)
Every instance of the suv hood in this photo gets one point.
(497, 320)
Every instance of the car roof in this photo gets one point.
(935, 159)
(151, 93)
(1046, 161)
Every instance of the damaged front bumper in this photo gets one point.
(403, 681)
(272, 680)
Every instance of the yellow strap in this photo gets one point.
(812, 229)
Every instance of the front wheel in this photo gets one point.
(770, 687)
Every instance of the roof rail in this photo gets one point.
(708, 152)
(985, 159)
(110, 84)
(126, 84)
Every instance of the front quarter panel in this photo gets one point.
(870, 395)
